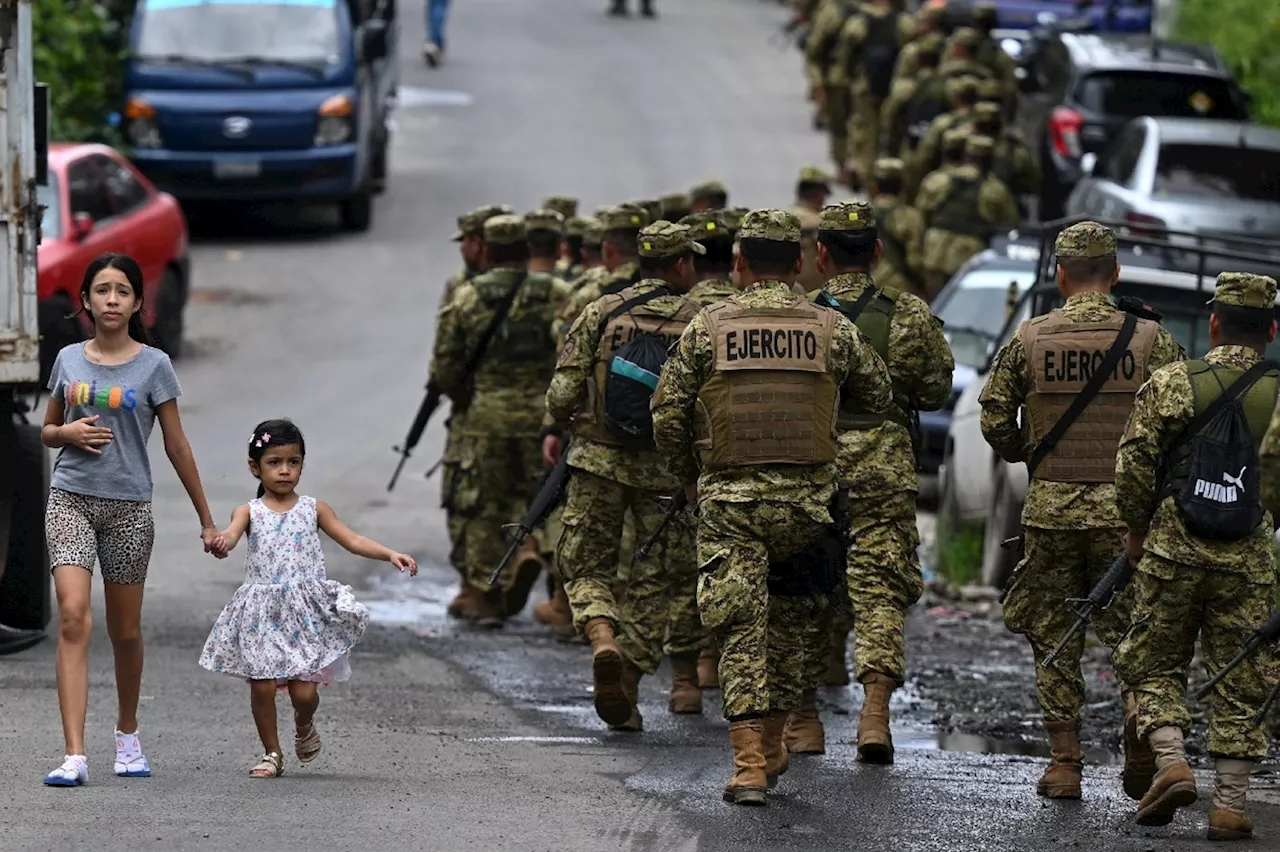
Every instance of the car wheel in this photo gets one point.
(26, 589)
(170, 304)
(379, 168)
(1003, 522)
(357, 212)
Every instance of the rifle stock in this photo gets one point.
(429, 404)
(1100, 597)
(539, 510)
(1267, 631)
(675, 505)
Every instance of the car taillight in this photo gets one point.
(1140, 225)
(1064, 131)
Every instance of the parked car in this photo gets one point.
(978, 486)
(96, 202)
(1083, 88)
(1218, 180)
(1120, 16)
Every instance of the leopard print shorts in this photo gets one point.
(117, 534)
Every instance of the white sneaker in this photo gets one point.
(130, 761)
(73, 772)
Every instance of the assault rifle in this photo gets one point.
(1100, 597)
(429, 404)
(548, 497)
(675, 505)
(1266, 633)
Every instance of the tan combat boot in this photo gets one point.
(555, 612)
(749, 782)
(489, 613)
(1139, 759)
(631, 675)
(837, 663)
(612, 704)
(685, 695)
(1174, 786)
(804, 733)
(1227, 819)
(875, 744)
(466, 603)
(528, 567)
(1066, 762)
(709, 666)
(776, 757)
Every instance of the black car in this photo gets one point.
(1083, 88)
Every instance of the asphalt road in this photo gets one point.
(447, 739)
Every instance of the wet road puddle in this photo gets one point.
(929, 740)
(551, 740)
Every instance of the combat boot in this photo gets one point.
(1066, 762)
(804, 733)
(1174, 786)
(612, 705)
(631, 675)
(749, 782)
(489, 613)
(875, 744)
(709, 666)
(837, 664)
(1139, 759)
(528, 567)
(1227, 819)
(685, 695)
(466, 604)
(776, 757)
(556, 613)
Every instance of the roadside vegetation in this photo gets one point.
(79, 53)
(1244, 32)
(959, 554)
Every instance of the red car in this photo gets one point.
(98, 202)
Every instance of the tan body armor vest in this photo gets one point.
(589, 423)
(1061, 357)
(770, 398)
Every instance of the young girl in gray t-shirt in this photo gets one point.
(106, 395)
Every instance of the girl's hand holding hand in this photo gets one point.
(405, 562)
(214, 542)
(83, 434)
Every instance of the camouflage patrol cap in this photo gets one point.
(652, 208)
(592, 233)
(708, 224)
(705, 190)
(932, 43)
(989, 90)
(847, 216)
(472, 224)
(623, 218)
(733, 217)
(1085, 239)
(985, 14)
(575, 226)
(953, 140)
(887, 168)
(965, 37)
(770, 224)
(935, 15)
(665, 239)
(565, 205)
(599, 211)
(675, 202)
(504, 230)
(1244, 290)
(961, 85)
(544, 220)
(986, 112)
(814, 174)
(978, 145)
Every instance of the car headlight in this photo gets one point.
(1012, 46)
(141, 127)
(334, 120)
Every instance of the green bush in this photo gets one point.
(959, 554)
(79, 53)
(1244, 32)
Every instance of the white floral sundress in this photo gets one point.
(287, 621)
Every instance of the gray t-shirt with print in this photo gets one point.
(125, 397)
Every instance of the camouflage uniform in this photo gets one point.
(497, 443)
(898, 112)
(675, 206)
(810, 277)
(707, 195)
(854, 43)
(608, 480)
(963, 208)
(837, 97)
(928, 154)
(989, 54)
(1186, 586)
(567, 207)
(901, 229)
(1012, 161)
(1073, 531)
(929, 21)
(751, 516)
(570, 268)
(621, 218)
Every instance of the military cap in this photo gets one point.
(814, 174)
(706, 189)
(1085, 239)
(953, 140)
(710, 224)
(961, 85)
(888, 167)
(565, 205)
(574, 226)
(544, 220)
(472, 224)
(733, 217)
(984, 14)
(770, 224)
(675, 202)
(932, 42)
(1244, 290)
(986, 112)
(651, 206)
(978, 145)
(623, 218)
(599, 211)
(965, 37)
(935, 15)
(665, 239)
(592, 233)
(989, 90)
(847, 216)
(504, 230)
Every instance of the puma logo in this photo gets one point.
(1238, 480)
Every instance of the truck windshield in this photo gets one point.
(230, 30)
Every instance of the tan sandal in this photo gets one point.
(307, 746)
(271, 766)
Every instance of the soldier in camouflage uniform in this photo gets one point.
(762, 497)
(571, 264)
(1186, 586)
(708, 195)
(959, 55)
(914, 101)
(928, 27)
(610, 477)
(1070, 520)
(716, 232)
(497, 441)
(619, 227)
(963, 208)
(900, 228)
(675, 206)
(836, 98)
(962, 94)
(567, 207)
(812, 191)
(652, 208)
(1011, 160)
(877, 464)
(990, 55)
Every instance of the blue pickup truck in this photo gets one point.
(263, 100)
(1103, 16)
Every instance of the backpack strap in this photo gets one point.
(1086, 395)
(1233, 392)
(853, 311)
(499, 315)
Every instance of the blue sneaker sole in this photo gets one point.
(62, 782)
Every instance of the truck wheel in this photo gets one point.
(170, 304)
(1002, 523)
(357, 211)
(26, 589)
(379, 167)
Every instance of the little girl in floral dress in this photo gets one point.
(288, 625)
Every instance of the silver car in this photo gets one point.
(1218, 180)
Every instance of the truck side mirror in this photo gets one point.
(81, 226)
(373, 40)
